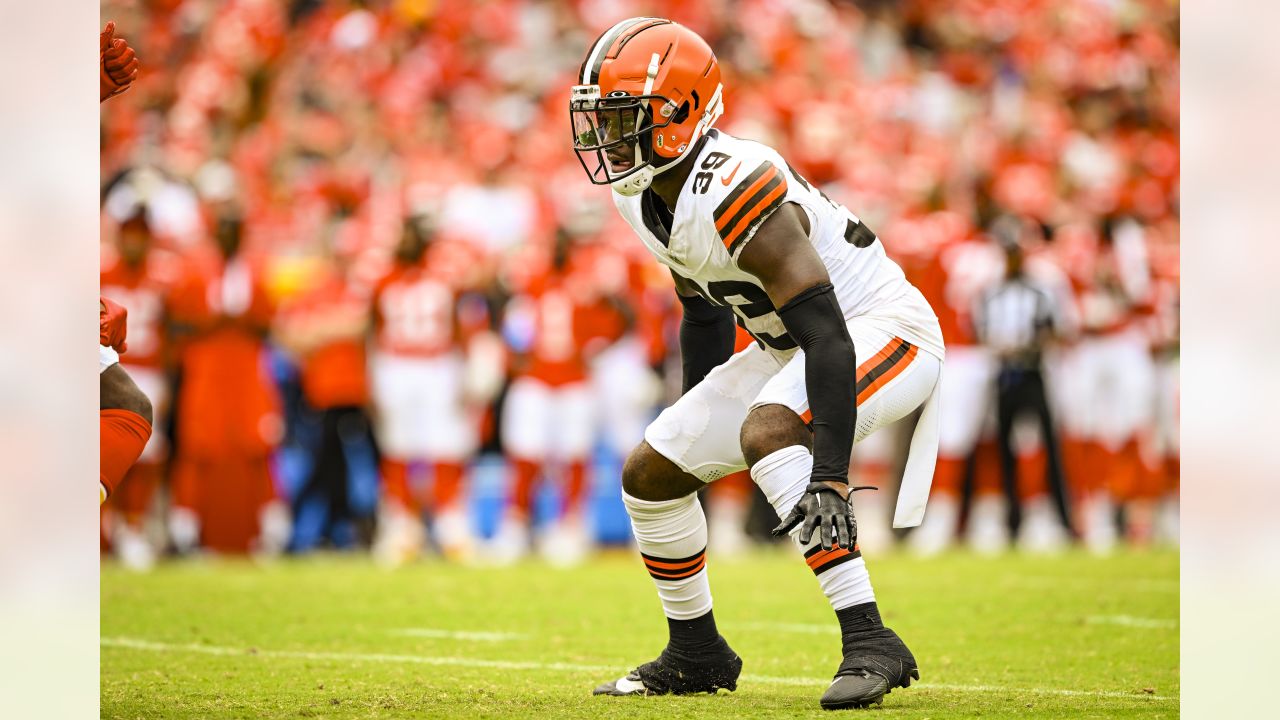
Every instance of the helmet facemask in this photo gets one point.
(613, 136)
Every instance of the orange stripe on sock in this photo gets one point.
(825, 556)
(681, 574)
(674, 565)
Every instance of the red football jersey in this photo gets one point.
(414, 312)
(143, 291)
(563, 315)
(331, 317)
(962, 270)
(556, 354)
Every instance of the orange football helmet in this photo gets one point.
(650, 90)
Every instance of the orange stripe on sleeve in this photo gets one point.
(746, 196)
(755, 213)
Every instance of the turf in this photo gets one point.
(336, 637)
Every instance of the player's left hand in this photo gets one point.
(112, 323)
(825, 509)
(118, 64)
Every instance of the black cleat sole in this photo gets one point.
(855, 692)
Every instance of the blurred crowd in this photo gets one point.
(361, 261)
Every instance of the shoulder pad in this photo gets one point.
(753, 195)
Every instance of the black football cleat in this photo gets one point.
(676, 674)
(875, 662)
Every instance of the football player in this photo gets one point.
(1116, 375)
(962, 266)
(138, 276)
(124, 412)
(843, 346)
(549, 412)
(227, 417)
(424, 416)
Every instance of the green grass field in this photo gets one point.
(336, 637)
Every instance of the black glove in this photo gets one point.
(823, 509)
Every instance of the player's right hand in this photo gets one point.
(824, 509)
(118, 64)
(112, 325)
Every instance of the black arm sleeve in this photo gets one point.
(706, 338)
(813, 318)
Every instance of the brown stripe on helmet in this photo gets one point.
(633, 30)
(599, 50)
(610, 43)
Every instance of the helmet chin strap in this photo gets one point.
(635, 183)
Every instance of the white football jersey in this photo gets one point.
(734, 186)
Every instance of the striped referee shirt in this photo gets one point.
(1013, 316)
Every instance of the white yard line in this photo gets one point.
(834, 629)
(138, 644)
(456, 634)
(1131, 621)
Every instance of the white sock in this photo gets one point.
(672, 536)
(842, 573)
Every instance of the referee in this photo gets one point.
(1015, 318)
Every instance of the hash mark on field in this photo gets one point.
(1131, 621)
(456, 634)
(139, 644)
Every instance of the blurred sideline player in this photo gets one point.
(228, 418)
(139, 278)
(961, 267)
(124, 411)
(845, 345)
(324, 326)
(1164, 446)
(1108, 377)
(423, 414)
(625, 388)
(549, 414)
